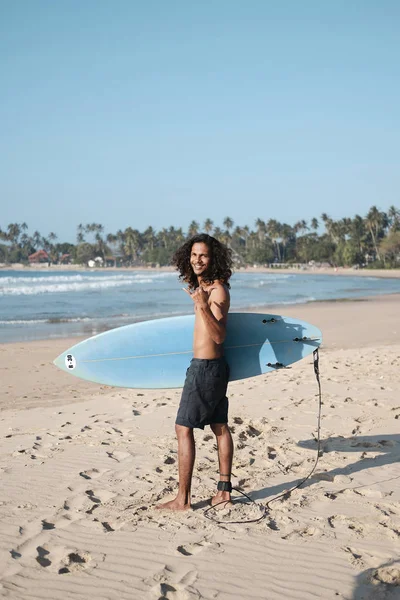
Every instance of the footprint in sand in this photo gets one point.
(342, 522)
(355, 557)
(97, 415)
(100, 496)
(165, 585)
(75, 561)
(35, 534)
(196, 547)
(391, 532)
(304, 533)
(42, 557)
(118, 455)
(368, 493)
(390, 576)
(92, 473)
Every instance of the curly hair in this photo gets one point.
(220, 267)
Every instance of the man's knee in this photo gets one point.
(219, 428)
(182, 431)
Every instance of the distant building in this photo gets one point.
(65, 259)
(40, 256)
(113, 261)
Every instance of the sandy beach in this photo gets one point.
(82, 466)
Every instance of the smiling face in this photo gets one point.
(200, 258)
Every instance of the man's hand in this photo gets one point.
(199, 296)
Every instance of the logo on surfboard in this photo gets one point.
(70, 361)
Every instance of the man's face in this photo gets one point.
(200, 258)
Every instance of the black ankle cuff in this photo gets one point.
(224, 486)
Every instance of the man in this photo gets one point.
(206, 266)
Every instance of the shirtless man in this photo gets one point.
(205, 265)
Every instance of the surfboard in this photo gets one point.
(155, 354)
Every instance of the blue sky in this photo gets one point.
(155, 113)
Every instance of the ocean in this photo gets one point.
(45, 305)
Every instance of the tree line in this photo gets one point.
(372, 240)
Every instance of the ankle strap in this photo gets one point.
(224, 486)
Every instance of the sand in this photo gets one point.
(83, 465)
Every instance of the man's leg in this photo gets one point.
(186, 456)
(225, 457)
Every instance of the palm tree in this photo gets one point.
(111, 238)
(314, 224)
(46, 244)
(300, 226)
(218, 233)
(390, 246)
(51, 250)
(132, 242)
(286, 233)
(208, 226)
(120, 239)
(237, 235)
(176, 236)
(228, 223)
(375, 221)
(193, 229)
(325, 217)
(330, 227)
(13, 233)
(358, 233)
(261, 230)
(37, 240)
(274, 231)
(164, 237)
(101, 247)
(326, 221)
(336, 231)
(345, 224)
(245, 233)
(80, 238)
(393, 215)
(226, 238)
(149, 237)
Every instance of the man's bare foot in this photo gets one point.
(221, 500)
(176, 505)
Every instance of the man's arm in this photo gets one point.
(214, 312)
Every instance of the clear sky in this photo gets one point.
(158, 112)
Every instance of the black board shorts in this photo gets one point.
(204, 399)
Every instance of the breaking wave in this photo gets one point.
(32, 286)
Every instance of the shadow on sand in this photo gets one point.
(381, 583)
(387, 445)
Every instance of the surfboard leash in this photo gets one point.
(265, 509)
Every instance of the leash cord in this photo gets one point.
(264, 509)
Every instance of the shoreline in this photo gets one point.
(331, 271)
